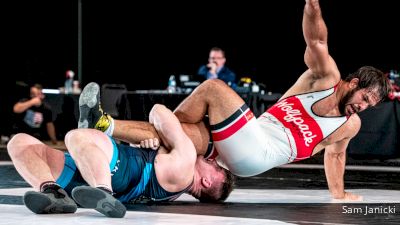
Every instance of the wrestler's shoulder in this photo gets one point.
(353, 124)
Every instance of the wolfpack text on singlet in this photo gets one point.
(307, 128)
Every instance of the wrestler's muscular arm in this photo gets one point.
(321, 65)
(316, 36)
(175, 170)
(143, 133)
(322, 72)
(335, 161)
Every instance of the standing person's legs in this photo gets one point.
(95, 155)
(40, 166)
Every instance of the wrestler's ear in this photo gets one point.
(206, 182)
(354, 83)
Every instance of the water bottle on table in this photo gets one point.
(69, 81)
(171, 84)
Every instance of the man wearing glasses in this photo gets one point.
(216, 67)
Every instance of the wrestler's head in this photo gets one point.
(367, 87)
(217, 183)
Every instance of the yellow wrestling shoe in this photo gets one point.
(103, 122)
(91, 115)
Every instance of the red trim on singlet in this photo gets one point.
(335, 87)
(213, 155)
(232, 128)
(305, 130)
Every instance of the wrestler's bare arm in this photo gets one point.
(315, 33)
(198, 134)
(176, 169)
(335, 162)
(316, 37)
(322, 71)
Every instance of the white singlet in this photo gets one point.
(288, 131)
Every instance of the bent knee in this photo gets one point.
(19, 142)
(78, 138)
(74, 137)
(216, 84)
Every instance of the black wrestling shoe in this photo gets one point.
(53, 199)
(100, 200)
(91, 114)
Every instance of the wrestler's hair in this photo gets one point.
(219, 193)
(372, 79)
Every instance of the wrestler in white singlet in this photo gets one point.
(286, 132)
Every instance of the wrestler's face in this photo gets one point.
(212, 178)
(209, 165)
(357, 100)
(210, 170)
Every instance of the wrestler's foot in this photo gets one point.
(91, 114)
(100, 200)
(53, 199)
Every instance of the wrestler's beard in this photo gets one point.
(344, 101)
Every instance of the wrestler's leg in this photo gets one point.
(35, 161)
(213, 98)
(40, 166)
(95, 155)
(237, 135)
(92, 152)
(92, 116)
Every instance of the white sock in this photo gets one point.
(110, 129)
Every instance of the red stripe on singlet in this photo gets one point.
(232, 128)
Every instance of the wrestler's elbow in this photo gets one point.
(154, 112)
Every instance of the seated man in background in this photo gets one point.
(34, 116)
(216, 67)
(116, 173)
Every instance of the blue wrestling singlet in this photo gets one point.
(133, 175)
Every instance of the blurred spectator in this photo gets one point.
(216, 67)
(34, 116)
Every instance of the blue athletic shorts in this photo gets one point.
(126, 169)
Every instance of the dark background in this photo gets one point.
(147, 42)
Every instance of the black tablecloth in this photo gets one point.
(65, 109)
